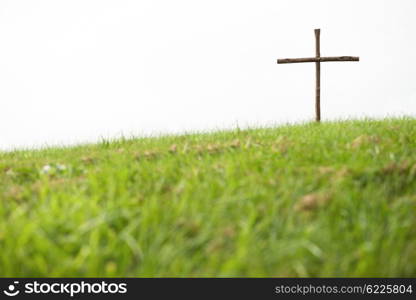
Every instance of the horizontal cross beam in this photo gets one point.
(317, 59)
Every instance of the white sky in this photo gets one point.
(76, 71)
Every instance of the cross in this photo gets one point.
(317, 60)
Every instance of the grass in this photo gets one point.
(330, 199)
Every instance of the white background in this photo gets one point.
(76, 71)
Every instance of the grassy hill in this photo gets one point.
(330, 199)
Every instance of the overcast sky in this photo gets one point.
(76, 71)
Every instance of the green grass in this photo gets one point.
(330, 199)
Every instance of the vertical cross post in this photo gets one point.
(318, 76)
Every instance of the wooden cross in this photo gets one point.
(317, 60)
